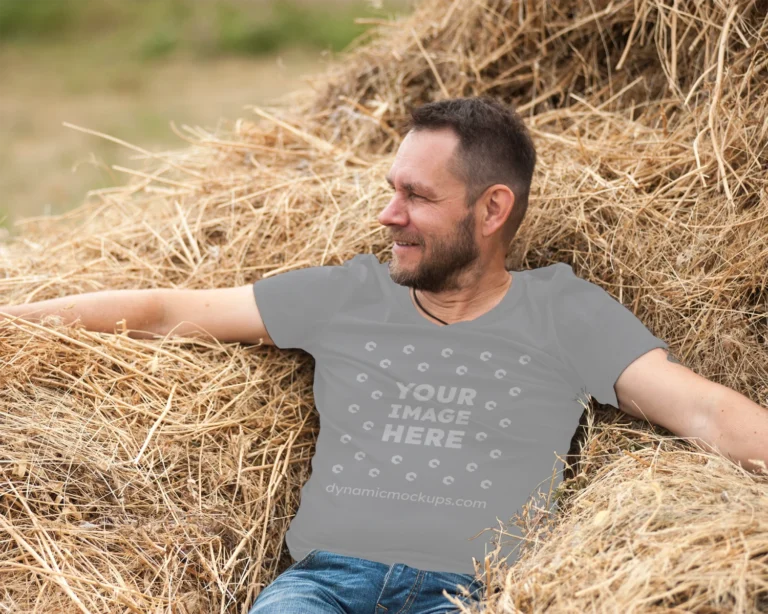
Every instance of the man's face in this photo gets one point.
(428, 208)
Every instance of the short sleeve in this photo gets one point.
(297, 305)
(597, 335)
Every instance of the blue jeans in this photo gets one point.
(328, 583)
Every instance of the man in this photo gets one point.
(445, 383)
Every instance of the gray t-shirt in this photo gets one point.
(430, 433)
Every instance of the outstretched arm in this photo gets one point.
(97, 311)
(659, 388)
(739, 428)
(226, 314)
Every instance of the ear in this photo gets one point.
(498, 201)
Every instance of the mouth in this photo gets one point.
(399, 247)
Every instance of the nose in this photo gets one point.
(394, 214)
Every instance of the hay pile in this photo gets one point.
(160, 476)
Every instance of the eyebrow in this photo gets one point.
(413, 186)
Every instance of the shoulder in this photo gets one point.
(550, 272)
(358, 273)
(558, 284)
(359, 281)
(360, 267)
(365, 261)
(561, 276)
(553, 278)
(357, 265)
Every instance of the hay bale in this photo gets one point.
(154, 476)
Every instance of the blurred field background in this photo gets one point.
(128, 69)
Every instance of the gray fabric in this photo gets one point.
(431, 434)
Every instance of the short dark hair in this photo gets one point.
(494, 147)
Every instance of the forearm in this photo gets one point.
(739, 428)
(97, 311)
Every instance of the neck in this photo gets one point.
(465, 303)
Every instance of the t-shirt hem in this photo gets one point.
(401, 558)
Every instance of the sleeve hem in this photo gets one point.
(262, 310)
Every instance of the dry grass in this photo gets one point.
(159, 476)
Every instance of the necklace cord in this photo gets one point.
(427, 312)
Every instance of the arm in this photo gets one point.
(227, 314)
(739, 428)
(658, 388)
(97, 311)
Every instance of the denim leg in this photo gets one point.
(328, 583)
(437, 582)
(426, 594)
(289, 595)
(324, 583)
(400, 589)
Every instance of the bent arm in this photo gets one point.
(101, 311)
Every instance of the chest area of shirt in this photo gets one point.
(438, 391)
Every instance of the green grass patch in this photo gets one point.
(35, 19)
(287, 25)
(151, 29)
